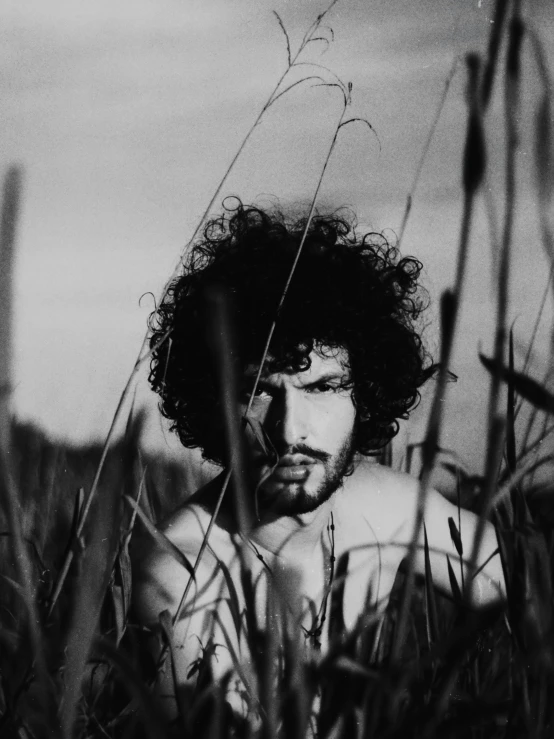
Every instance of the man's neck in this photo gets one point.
(289, 537)
(286, 537)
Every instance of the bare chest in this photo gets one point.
(353, 570)
(370, 547)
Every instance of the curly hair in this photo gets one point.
(348, 291)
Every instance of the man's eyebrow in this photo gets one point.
(342, 377)
(248, 380)
(250, 375)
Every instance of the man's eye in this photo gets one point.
(322, 387)
(260, 394)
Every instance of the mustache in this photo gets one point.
(307, 451)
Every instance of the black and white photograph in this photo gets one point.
(276, 369)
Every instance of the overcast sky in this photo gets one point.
(125, 115)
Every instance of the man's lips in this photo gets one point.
(290, 468)
(290, 473)
(295, 460)
(288, 460)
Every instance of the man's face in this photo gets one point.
(309, 418)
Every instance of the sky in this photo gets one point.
(125, 115)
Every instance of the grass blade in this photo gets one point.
(425, 151)
(524, 385)
(96, 566)
(455, 536)
(287, 39)
(153, 722)
(456, 591)
(25, 580)
(167, 628)
(495, 38)
(431, 615)
(161, 539)
(234, 605)
(511, 454)
(221, 328)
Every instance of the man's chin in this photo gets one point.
(275, 487)
(280, 494)
(289, 499)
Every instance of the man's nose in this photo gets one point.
(289, 420)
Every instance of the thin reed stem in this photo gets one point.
(538, 320)
(291, 63)
(297, 256)
(542, 436)
(472, 178)
(265, 354)
(83, 517)
(8, 229)
(273, 96)
(203, 546)
(534, 414)
(341, 122)
(425, 151)
(511, 112)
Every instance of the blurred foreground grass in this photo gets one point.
(460, 674)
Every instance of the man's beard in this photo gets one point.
(292, 499)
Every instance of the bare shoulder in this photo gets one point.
(163, 583)
(385, 497)
(391, 497)
(160, 575)
(380, 502)
(380, 478)
(187, 527)
(184, 529)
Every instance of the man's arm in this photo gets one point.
(488, 585)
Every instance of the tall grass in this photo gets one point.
(10, 208)
(72, 662)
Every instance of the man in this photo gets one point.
(345, 362)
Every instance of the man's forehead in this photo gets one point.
(323, 361)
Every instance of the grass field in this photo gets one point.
(72, 662)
